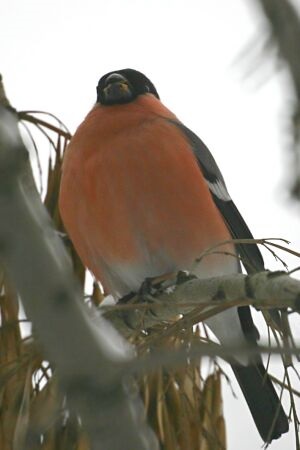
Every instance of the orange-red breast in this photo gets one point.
(142, 196)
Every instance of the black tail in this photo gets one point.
(263, 401)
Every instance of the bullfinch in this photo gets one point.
(142, 196)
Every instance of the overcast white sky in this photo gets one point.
(52, 54)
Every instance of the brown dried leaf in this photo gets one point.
(22, 421)
(212, 407)
(160, 394)
(45, 407)
(49, 440)
(217, 405)
(97, 295)
(83, 442)
(170, 438)
(145, 386)
(221, 431)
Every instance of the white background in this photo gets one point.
(52, 54)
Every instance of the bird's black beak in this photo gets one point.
(116, 90)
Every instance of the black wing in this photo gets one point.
(257, 387)
(249, 253)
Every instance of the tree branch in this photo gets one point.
(284, 23)
(89, 360)
(201, 298)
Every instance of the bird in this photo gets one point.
(142, 196)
